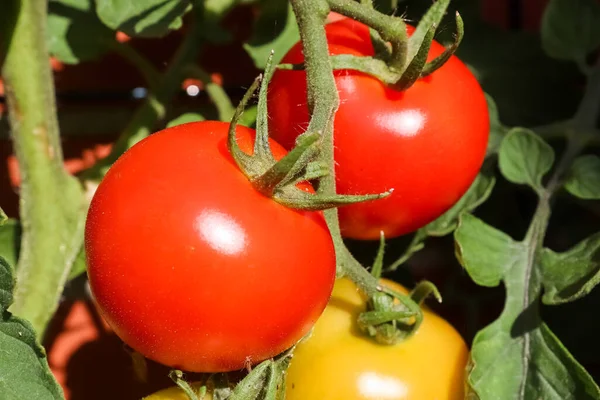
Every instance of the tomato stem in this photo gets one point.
(51, 206)
(323, 101)
(392, 29)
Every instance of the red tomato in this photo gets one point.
(427, 143)
(194, 268)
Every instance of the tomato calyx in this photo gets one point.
(279, 179)
(391, 316)
(399, 60)
(265, 381)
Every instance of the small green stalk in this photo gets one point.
(391, 29)
(51, 206)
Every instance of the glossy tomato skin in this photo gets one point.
(427, 143)
(337, 362)
(194, 268)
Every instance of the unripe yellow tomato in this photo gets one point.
(338, 362)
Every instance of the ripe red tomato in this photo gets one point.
(194, 268)
(427, 143)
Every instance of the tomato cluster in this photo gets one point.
(196, 269)
(426, 143)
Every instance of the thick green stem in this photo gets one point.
(582, 124)
(323, 101)
(154, 107)
(51, 206)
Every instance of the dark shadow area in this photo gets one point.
(528, 321)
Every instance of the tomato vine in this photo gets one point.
(515, 356)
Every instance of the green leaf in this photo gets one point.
(573, 274)
(10, 241)
(478, 193)
(23, 364)
(431, 19)
(79, 265)
(524, 158)
(7, 285)
(533, 366)
(516, 357)
(571, 29)
(214, 12)
(146, 18)
(185, 118)
(75, 33)
(497, 129)
(484, 251)
(275, 29)
(584, 178)
(3, 217)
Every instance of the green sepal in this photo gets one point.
(368, 65)
(416, 65)
(423, 290)
(266, 381)
(262, 150)
(178, 377)
(370, 318)
(440, 60)
(293, 197)
(289, 167)
(243, 160)
(389, 321)
(431, 20)
(279, 179)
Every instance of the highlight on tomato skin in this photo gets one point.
(194, 268)
(427, 142)
(338, 362)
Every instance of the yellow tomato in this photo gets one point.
(337, 362)
(175, 393)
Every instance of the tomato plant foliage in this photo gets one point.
(543, 145)
(518, 355)
(23, 363)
